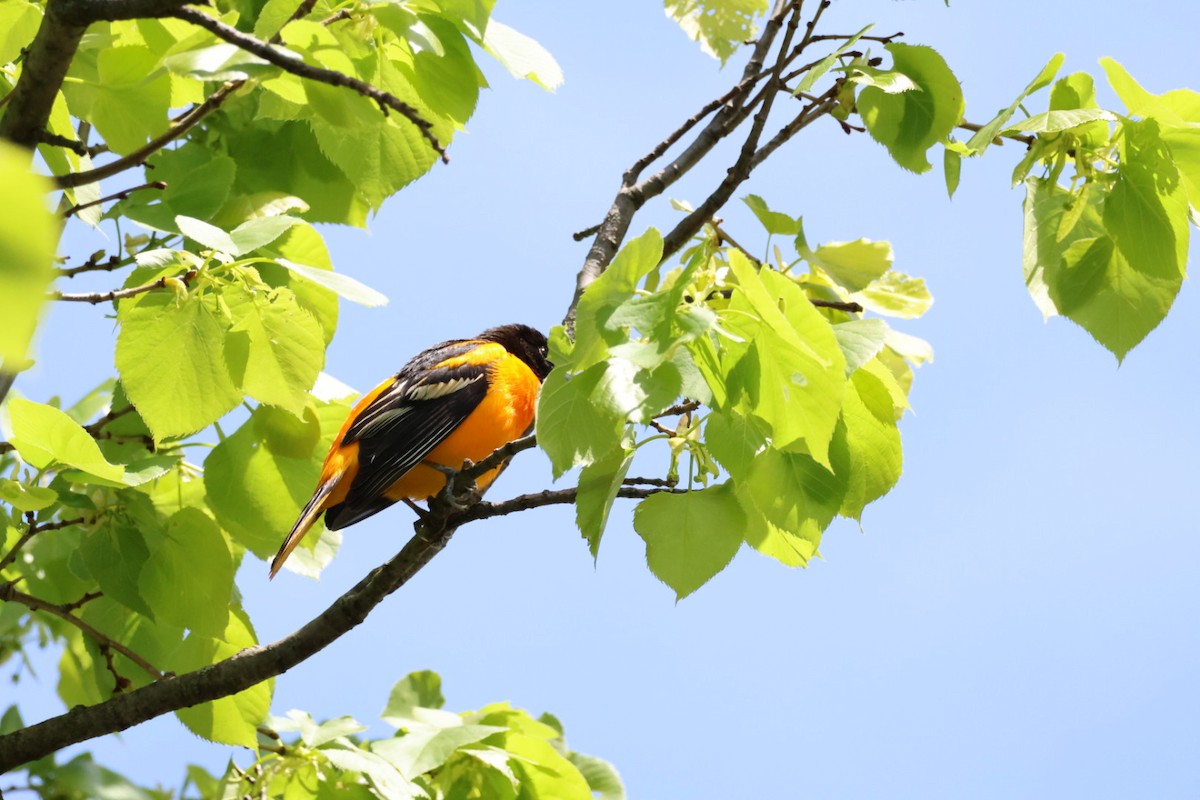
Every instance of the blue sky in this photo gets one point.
(1015, 619)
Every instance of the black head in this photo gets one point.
(524, 342)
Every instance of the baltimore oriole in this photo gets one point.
(456, 401)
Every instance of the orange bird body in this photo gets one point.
(455, 402)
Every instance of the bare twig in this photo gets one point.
(742, 167)
(686, 407)
(630, 198)
(385, 100)
(117, 196)
(10, 594)
(117, 294)
(828, 37)
(75, 146)
(93, 264)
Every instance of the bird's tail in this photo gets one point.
(307, 517)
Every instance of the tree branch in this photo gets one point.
(289, 63)
(745, 163)
(121, 195)
(117, 294)
(631, 197)
(138, 157)
(9, 594)
(42, 72)
(33, 529)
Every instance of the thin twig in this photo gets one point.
(289, 63)
(630, 199)
(32, 529)
(742, 167)
(117, 294)
(10, 594)
(75, 146)
(117, 196)
(686, 407)
(93, 264)
(827, 37)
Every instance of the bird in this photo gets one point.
(453, 403)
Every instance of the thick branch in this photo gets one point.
(46, 63)
(117, 294)
(289, 63)
(237, 673)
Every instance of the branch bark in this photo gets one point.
(256, 664)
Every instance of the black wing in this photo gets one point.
(405, 422)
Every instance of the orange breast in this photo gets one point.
(505, 414)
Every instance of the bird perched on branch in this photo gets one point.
(455, 402)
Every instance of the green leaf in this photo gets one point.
(872, 441)
(170, 356)
(1138, 102)
(793, 374)
(425, 748)
(571, 430)
(385, 779)
(601, 776)
(888, 81)
(260, 232)
(789, 499)
(690, 537)
(825, 64)
(860, 340)
(896, 295)
(601, 299)
(542, 771)
(209, 236)
(775, 222)
(909, 123)
(218, 62)
(229, 720)
(116, 553)
(25, 498)
(256, 494)
(339, 283)
(853, 265)
(1146, 211)
(275, 349)
(19, 22)
(720, 26)
(132, 97)
(522, 56)
(28, 236)
(43, 435)
(1061, 120)
(81, 777)
(952, 167)
(598, 486)
(988, 132)
(285, 434)
(415, 690)
(188, 578)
